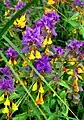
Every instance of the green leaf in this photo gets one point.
(73, 23)
(64, 84)
(74, 16)
(14, 96)
(22, 116)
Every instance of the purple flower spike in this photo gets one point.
(11, 53)
(31, 36)
(19, 5)
(78, 2)
(75, 45)
(58, 50)
(43, 65)
(48, 20)
(7, 3)
(7, 84)
(5, 71)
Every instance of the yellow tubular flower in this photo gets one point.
(34, 88)
(31, 57)
(7, 102)
(45, 42)
(10, 62)
(14, 62)
(5, 110)
(49, 41)
(37, 101)
(14, 107)
(38, 55)
(51, 2)
(41, 90)
(41, 99)
(47, 52)
(2, 98)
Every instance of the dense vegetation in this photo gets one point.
(41, 60)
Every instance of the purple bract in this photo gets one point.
(7, 84)
(43, 65)
(11, 53)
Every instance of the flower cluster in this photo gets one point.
(11, 54)
(78, 3)
(46, 24)
(43, 65)
(43, 28)
(76, 46)
(19, 5)
(58, 50)
(6, 82)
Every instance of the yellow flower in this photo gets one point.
(7, 12)
(73, 60)
(10, 62)
(41, 90)
(80, 70)
(51, 2)
(76, 89)
(49, 41)
(31, 57)
(14, 62)
(34, 88)
(37, 101)
(47, 52)
(2, 98)
(47, 10)
(41, 99)
(7, 102)
(24, 63)
(45, 42)
(5, 110)
(20, 22)
(38, 55)
(14, 107)
(70, 72)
